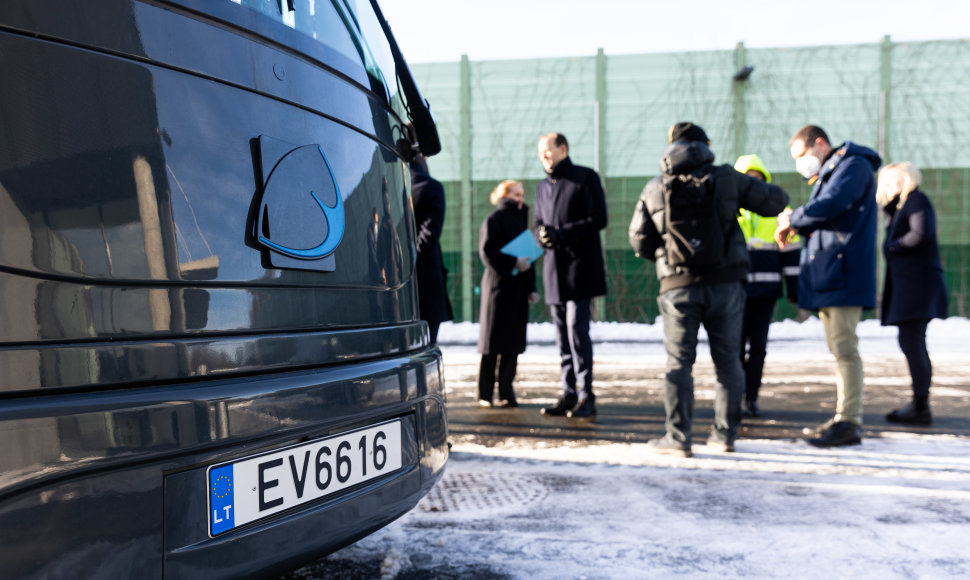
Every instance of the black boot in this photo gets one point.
(562, 406)
(911, 415)
(585, 408)
(751, 408)
(839, 435)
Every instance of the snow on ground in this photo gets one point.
(943, 337)
(897, 506)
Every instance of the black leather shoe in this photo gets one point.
(908, 415)
(751, 409)
(562, 406)
(817, 431)
(839, 435)
(585, 408)
(508, 403)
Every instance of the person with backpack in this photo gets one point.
(686, 222)
(774, 272)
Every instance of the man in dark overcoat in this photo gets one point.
(570, 211)
(428, 197)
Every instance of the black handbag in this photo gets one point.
(827, 268)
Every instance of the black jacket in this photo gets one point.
(505, 296)
(571, 199)
(914, 287)
(428, 197)
(734, 190)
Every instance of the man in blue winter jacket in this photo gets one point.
(838, 262)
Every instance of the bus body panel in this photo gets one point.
(206, 255)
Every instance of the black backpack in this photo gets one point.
(694, 233)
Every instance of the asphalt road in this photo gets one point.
(797, 394)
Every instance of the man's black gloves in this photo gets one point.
(549, 236)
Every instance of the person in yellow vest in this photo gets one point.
(771, 269)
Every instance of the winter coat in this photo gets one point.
(771, 266)
(505, 296)
(914, 288)
(428, 197)
(571, 199)
(734, 190)
(840, 214)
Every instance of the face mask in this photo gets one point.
(807, 166)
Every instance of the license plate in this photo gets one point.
(253, 488)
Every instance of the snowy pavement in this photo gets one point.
(537, 507)
(895, 507)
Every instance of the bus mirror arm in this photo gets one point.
(418, 108)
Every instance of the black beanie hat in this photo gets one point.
(687, 132)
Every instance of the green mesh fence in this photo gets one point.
(910, 101)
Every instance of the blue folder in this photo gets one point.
(523, 246)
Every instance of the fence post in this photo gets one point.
(739, 85)
(885, 90)
(882, 144)
(599, 153)
(465, 168)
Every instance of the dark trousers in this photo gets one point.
(758, 311)
(575, 348)
(719, 308)
(506, 374)
(433, 331)
(912, 341)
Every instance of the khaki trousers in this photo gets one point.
(840, 324)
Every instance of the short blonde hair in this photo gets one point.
(890, 175)
(502, 190)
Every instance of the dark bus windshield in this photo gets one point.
(349, 27)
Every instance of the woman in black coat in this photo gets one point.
(914, 291)
(508, 286)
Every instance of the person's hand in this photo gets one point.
(533, 297)
(784, 232)
(522, 264)
(549, 236)
(781, 236)
(784, 218)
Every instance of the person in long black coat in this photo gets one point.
(914, 291)
(508, 287)
(428, 197)
(570, 211)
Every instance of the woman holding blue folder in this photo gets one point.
(508, 287)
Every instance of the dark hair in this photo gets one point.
(808, 134)
(560, 139)
(685, 131)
